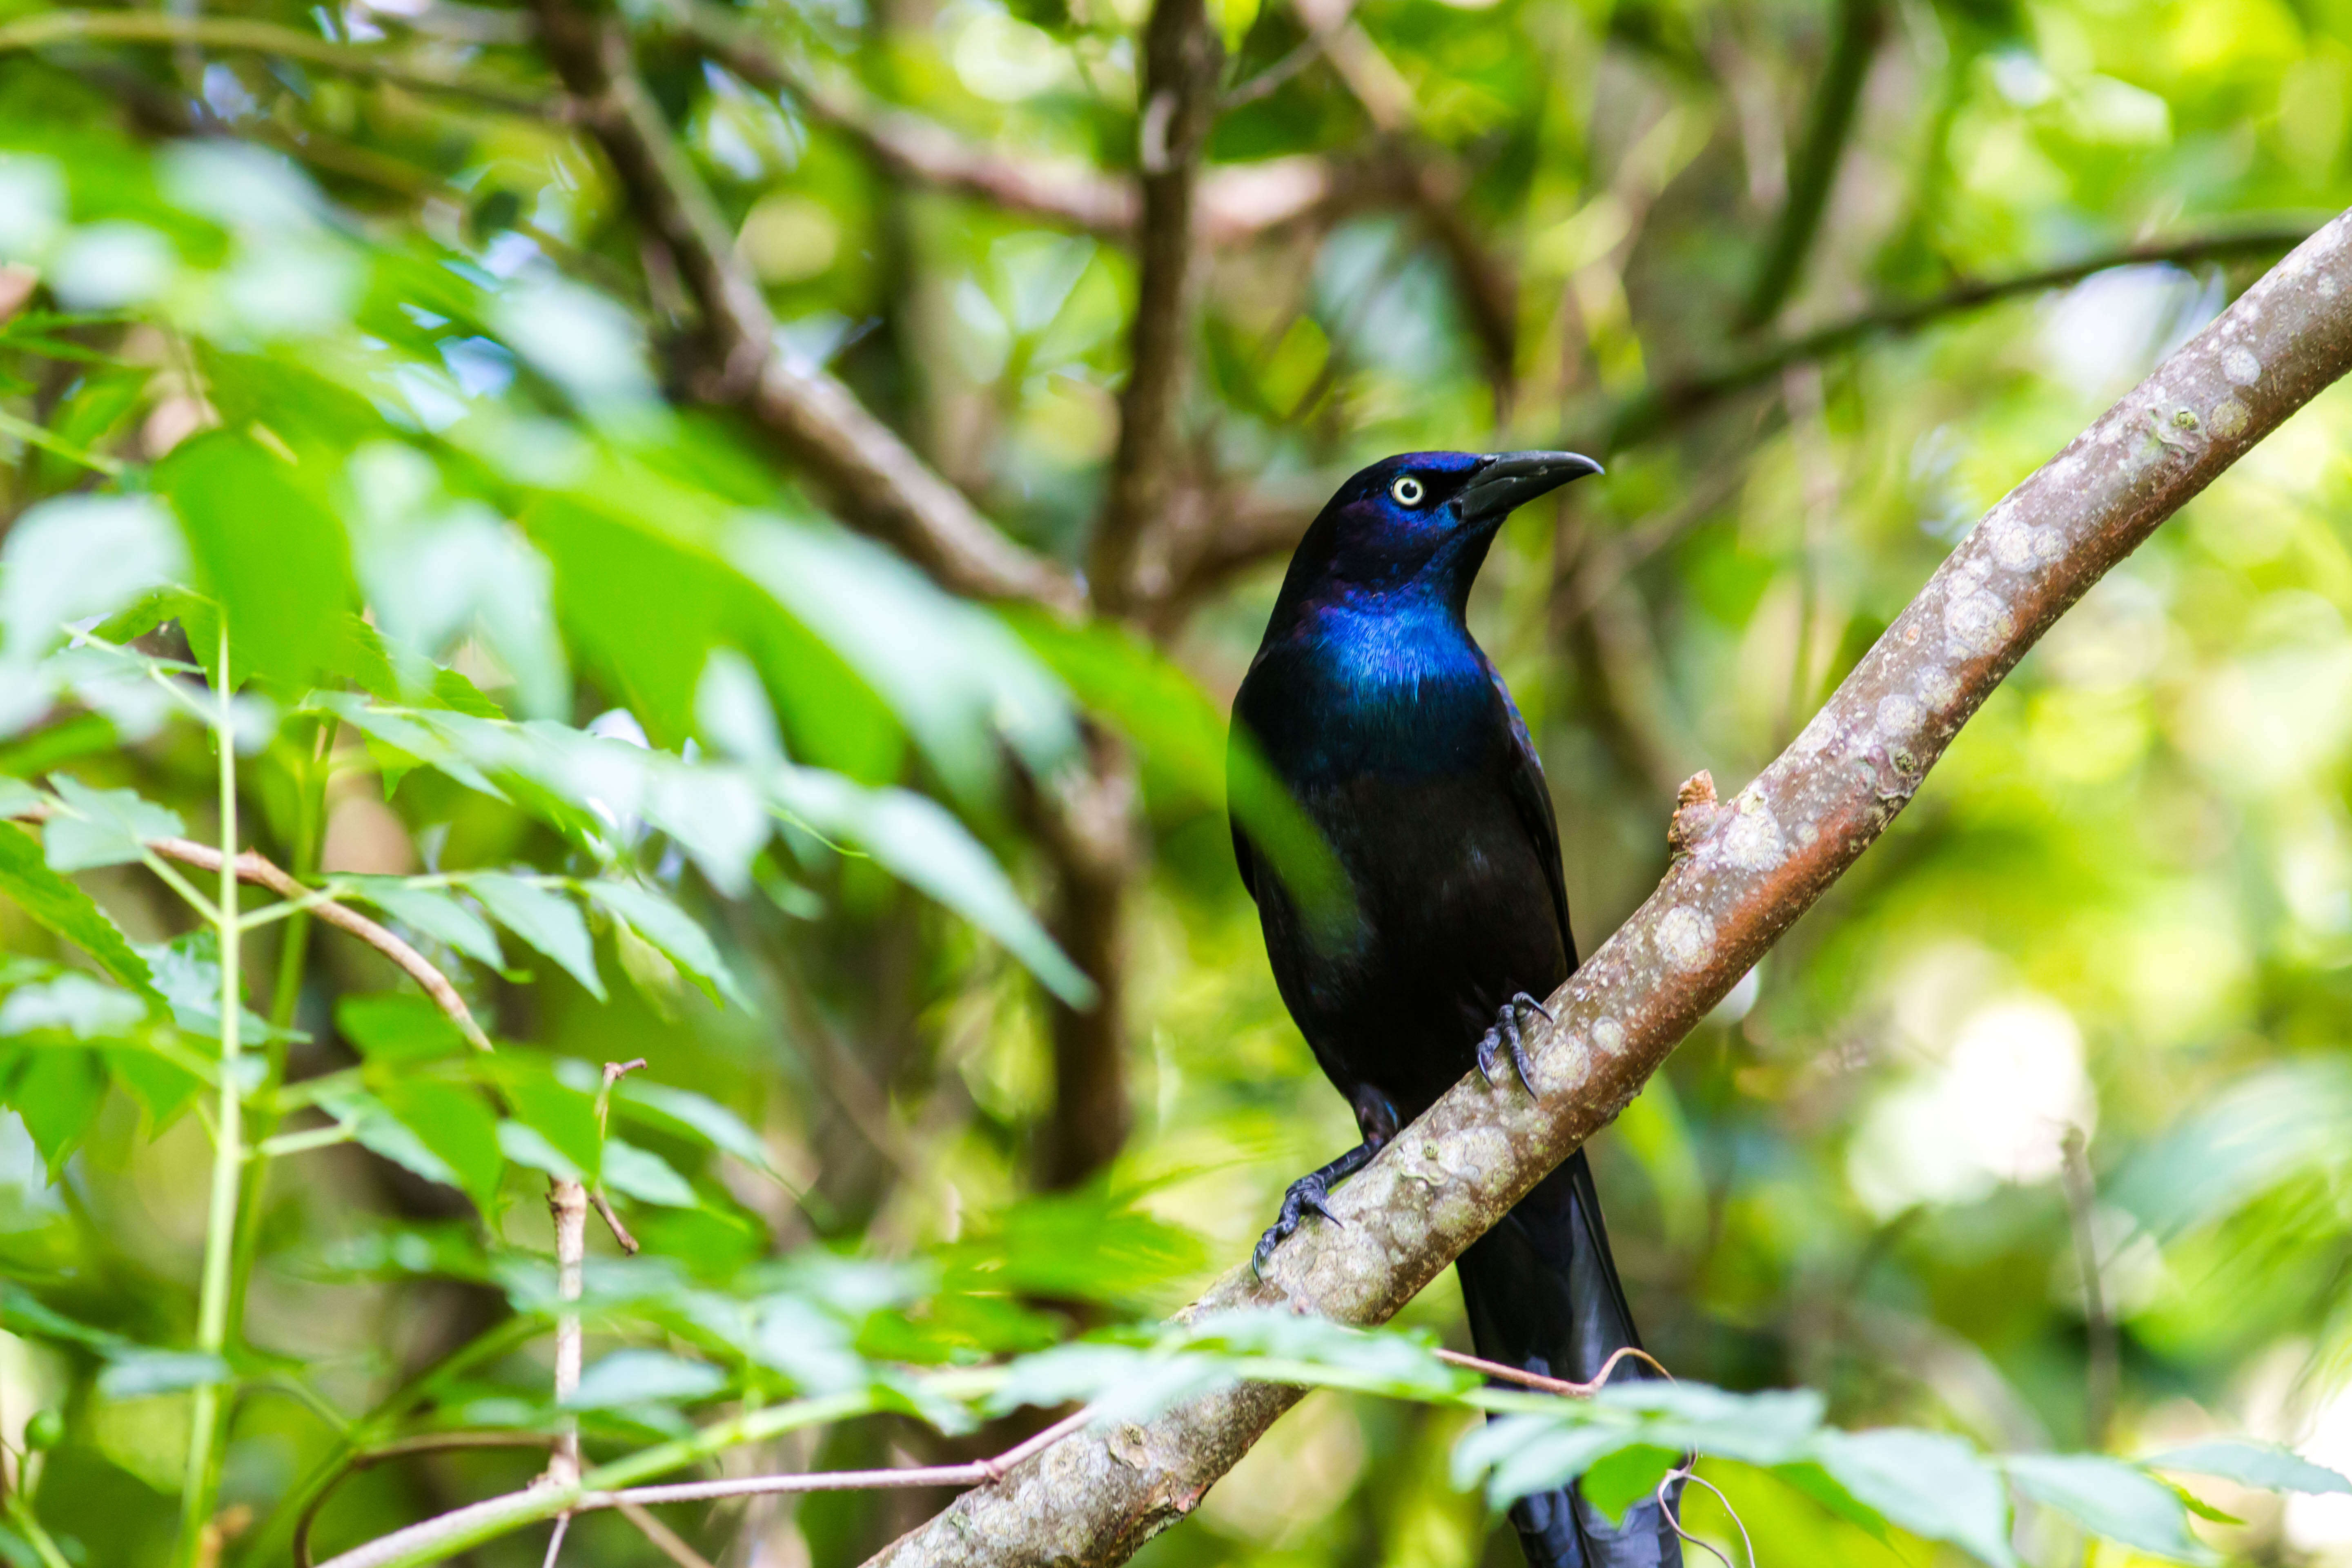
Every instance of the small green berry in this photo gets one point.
(47, 1429)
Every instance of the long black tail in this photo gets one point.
(1543, 1295)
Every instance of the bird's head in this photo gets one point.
(1421, 520)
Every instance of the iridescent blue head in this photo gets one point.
(1415, 528)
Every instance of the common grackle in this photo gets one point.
(1394, 732)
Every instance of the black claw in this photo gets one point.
(1507, 1029)
(1306, 1197)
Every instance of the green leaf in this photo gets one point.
(58, 1093)
(645, 1176)
(674, 931)
(1926, 1482)
(86, 1008)
(431, 912)
(269, 550)
(952, 673)
(643, 1377)
(1769, 1427)
(1618, 1481)
(1523, 1454)
(395, 1027)
(381, 1133)
(62, 907)
(548, 920)
(564, 1116)
(920, 843)
(77, 556)
(103, 826)
(2113, 1499)
(2251, 1464)
(455, 1124)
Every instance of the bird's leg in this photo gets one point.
(1376, 1119)
(1506, 1028)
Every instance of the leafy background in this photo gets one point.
(658, 760)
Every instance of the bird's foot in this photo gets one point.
(1507, 1030)
(1306, 1197)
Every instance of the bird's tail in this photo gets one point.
(1543, 1296)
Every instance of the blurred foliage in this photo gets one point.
(555, 669)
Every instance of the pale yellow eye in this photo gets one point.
(1407, 489)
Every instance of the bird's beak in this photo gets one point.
(1506, 481)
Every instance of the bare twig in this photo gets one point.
(44, 29)
(432, 1539)
(1559, 1385)
(873, 479)
(1653, 411)
(1764, 858)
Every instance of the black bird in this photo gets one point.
(1391, 729)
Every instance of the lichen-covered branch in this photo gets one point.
(1743, 872)
(874, 481)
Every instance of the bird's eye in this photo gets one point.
(1407, 489)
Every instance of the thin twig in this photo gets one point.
(253, 867)
(1651, 412)
(1561, 1385)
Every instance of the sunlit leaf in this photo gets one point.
(1924, 1482)
(547, 921)
(2251, 1464)
(79, 556)
(2111, 1498)
(26, 877)
(103, 826)
(267, 551)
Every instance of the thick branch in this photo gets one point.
(873, 479)
(1181, 58)
(44, 29)
(1747, 869)
(1813, 171)
(1652, 412)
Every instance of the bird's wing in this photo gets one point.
(1532, 798)
(1242, 858)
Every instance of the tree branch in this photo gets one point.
(874, 479)
(1653, 411)
(1749, 867)
(44, 28)
(1182, 56)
